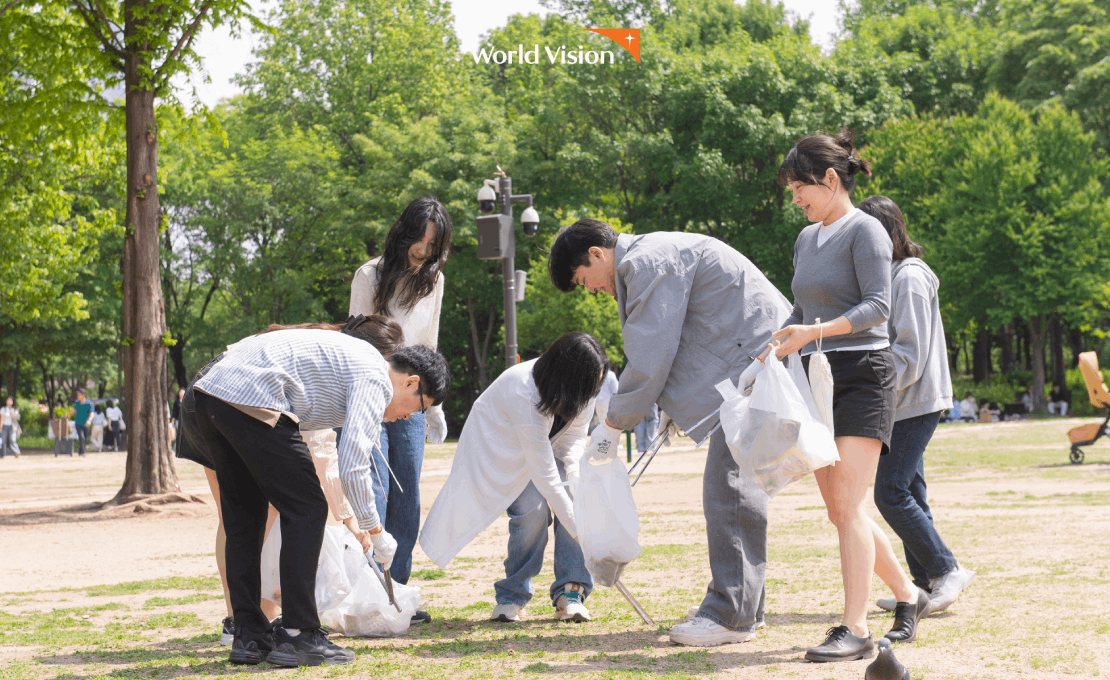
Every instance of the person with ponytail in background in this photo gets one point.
(923, 390)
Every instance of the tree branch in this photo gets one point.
(162, 76)
(95, 26)
(8, 6)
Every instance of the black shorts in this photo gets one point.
(863, 393)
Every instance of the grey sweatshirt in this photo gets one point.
(848, 276)
(923, 384)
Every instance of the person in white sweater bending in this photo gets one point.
(406, 284)
(523, 439)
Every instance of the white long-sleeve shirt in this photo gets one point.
(325, 380)
(504, 445)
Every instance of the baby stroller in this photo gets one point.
(1085, 435)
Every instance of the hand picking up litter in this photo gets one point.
(385, 547)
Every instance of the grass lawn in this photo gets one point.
(1035, 528)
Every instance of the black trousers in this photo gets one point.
(258, 465)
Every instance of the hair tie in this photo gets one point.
(353, 322)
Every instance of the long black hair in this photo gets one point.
(569, 374)
(890, 216)
(394, 274)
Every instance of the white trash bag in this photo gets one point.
(607, 519)
(349, 597)
(821, 383)
(774, 433)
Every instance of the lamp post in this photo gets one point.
(497, 241)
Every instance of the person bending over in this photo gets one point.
(523, 439)
(250, 407)
(693, 312)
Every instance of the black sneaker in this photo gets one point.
(310, 648)
(842, 645)
(249, 647)
(420, 616)
(906, 617)
(276, 623)
(227, 636)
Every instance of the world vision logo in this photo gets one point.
(627, 38)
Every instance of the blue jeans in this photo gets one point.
(82, 437)
(529, 517)
(6, 441)
(645, 431)
(900, 494)
(402, 444)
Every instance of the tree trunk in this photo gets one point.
(981, 365)
(1075, 339)
(1056, 348)
(177, 356)
(150, 468)
(1026, 338)
(953, 353)
(1006, 341)
(1038, 331)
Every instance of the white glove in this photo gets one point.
(385, 547)
(747, 378)
(437, 426)
(603, 442)
(667, 427)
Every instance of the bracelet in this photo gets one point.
(381, 528)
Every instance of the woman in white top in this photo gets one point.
(406, 284)
(115, 423)
(523, 438)
(9, 421)
(96, 439)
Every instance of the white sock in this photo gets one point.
(293, 631)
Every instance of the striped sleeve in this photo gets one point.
(366, 402)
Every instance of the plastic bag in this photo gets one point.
(774, 433)
(366, 610)
(821, 384)
(607, 519)
(333, 579)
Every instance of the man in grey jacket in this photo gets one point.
(693, 312)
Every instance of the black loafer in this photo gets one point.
(249, 647)
(420, 616)
(906, 617)
(310, 648)
(841, 645)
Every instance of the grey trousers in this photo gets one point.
(736, 528)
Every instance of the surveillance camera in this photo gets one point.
(530, 220)
(486, 200)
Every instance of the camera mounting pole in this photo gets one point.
(497, 241)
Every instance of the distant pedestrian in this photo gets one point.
(82, 419)
(96, 436)
(9, 422)
(115, 422)
(647, 428)
(1058, 400)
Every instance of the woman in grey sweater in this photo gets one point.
(842, 294)
(923, 389)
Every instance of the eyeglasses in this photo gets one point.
(423, 409)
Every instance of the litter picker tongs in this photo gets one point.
(387, 581)
(657, 443)
(635, 605)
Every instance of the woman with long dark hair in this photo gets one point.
(923, 390)
(842, 295)
(405, 283)
(523, 439)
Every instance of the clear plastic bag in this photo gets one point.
(821, 384)
(775, 434)
(607, 519)
(349, 597)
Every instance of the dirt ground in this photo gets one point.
(86, 595)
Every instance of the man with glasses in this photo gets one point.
(249, 410)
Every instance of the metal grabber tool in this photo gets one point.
(657, 443)
(387, 581)
(635, 605)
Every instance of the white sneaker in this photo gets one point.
(508, 613)
(569, 606)
(947, 588)
(692, 613)
(701, 632)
